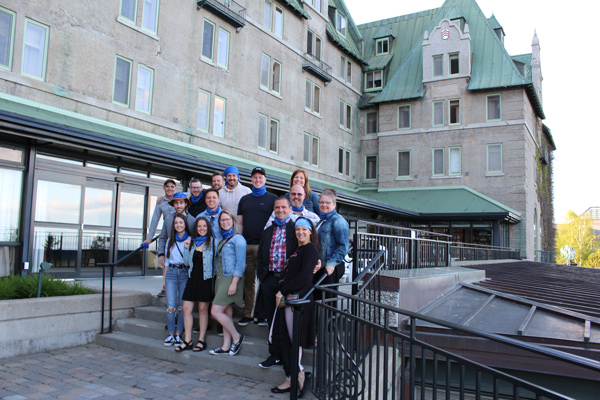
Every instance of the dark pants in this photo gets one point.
(265, 306)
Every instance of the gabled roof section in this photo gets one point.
(383, 32)
(351, 42)
(296, 6)
(378, 63)
(494, 24)
(492, 67)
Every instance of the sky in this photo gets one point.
(568, 34)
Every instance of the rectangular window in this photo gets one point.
(276, 81)
(203, 110)
(143, 96)
(268, 17)
(454, 163)
(371, 167)
(347, 162)
(313, 97)
(315, 151)
(309, 42)
(404, 117)
(382, 46)
(348, 117)
(262, 131)
(265, 66)
(438, 113)
(150, 16)
(341, 160)
(454, 111)
(438, 162)
(35, 49)
(404, 164)
(122, 81)
(274, 136)
(219, 116)
(307, 142)
(316, 4)
(309, 91)
(373, 80)
(371, 118)
(453, 61)
(494, 158)
(349, 71)
(493, 108)
(208, 37)
(318, 45)
(268, 133)
(438, 65)
(278, 27)
(7, 37)
(223, 49)
(341, 23)
(129, 10)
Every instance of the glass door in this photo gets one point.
(131, 202)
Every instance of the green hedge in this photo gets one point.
(16, 287)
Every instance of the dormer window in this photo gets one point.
(340, 23)
(382, 46)
(461, 23)
(453, 61)
(373, 80)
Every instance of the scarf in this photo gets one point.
(197, 199)
(181, 239)
(259, 191)
(210, 212)
(281, 223)
(226, 234)
(298, 209)
(199, 241)
(325, 216)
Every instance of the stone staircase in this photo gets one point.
(145, 332)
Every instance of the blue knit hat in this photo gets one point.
(232, 170)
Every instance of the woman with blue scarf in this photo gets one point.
(198, 256)
(230, 260)
(176, 277)
(334, 234)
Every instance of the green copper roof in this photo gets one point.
(492, 67)
(296, 6)
(459, 201)
(350, 43)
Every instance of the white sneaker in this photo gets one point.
(169, 341)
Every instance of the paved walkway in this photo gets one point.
(95, 372)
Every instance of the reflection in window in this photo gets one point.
(97, 207)
(131, 210)
(10, 204)
(57, 202)
(56, 246)
(95, 248)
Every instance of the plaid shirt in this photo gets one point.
(277, 249)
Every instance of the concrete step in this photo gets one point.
(243, 364)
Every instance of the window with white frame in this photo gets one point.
(371, 118)
(311, 149)
(7, 37)
(494, 111)
(203, 110)
(404, 164)
(373, 80)
(346, 70)
(270, 74)
(208, 38)
(345, 115)
(145, 83)
(438, 113)
(454, 161)
(494, 158)
(313, 97)
(278, 22)
(454, 111)
(223, 49)
(344, 161)
(268, 133)
(219, 116)
(35, 50)
(340, 23)
(268, 16)
(453, 63)
(273, 18)
(438, 65)
(404, 117)
(438, 161)
(150, 16)
(370, 167)
(122, 81)
(316, 4)
(382, 46)
(128, 10)
(314, 44)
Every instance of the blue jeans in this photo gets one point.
(175, 282)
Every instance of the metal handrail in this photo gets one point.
(112, 270)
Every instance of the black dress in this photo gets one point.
(197, 288)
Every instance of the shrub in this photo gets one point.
(16, 287)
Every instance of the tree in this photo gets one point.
(576, 232)
(593, 260)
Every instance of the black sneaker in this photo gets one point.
(235, 348)
(269, 362)
(219, 351)
(161, 293)
(245, 321)
(261, 322)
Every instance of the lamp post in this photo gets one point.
(43, 267)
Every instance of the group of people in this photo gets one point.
(216, 243)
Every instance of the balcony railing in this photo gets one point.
(317, 67)
(477, 252)
(229, 10)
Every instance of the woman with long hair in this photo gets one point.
(297, 280)
(311, 201)
(229, 286)
(176, 277)
(198, 256)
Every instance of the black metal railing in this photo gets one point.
(478, 252)
(317, 67)
(230, 10)
(112, 266)
(545, 256)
